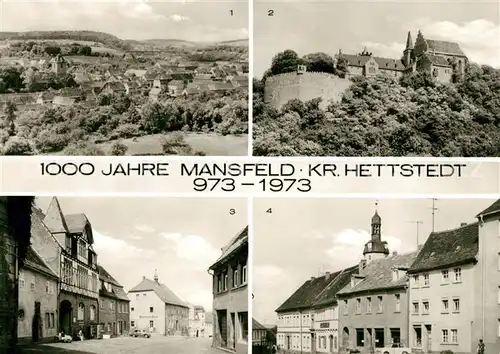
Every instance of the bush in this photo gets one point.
(118, 149)
(19, 147)
(173, 143)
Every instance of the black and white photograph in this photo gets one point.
(376, 78)
(131, 77)
(118, 275)
(388, 276)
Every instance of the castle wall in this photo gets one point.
(280, 89)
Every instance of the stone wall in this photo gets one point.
(280, 89)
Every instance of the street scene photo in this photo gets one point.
(376, 78)
(389, 276)
(129, 77)
(117, 275)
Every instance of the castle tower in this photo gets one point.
(59, 65)
(375, 248)
(408, 50)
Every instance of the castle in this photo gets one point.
(445, 61)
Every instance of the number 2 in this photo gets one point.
(270, 12)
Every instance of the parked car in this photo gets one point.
(141, 333)
(393, 349)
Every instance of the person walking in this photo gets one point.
(480, 347)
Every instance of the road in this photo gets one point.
(130, 345)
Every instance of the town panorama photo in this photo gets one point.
(374, 78)
(129, 77)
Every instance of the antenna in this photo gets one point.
(434, 209)
(418, 223)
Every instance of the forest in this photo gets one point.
(381, 116)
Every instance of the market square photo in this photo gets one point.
(376, 78)
(388, 276)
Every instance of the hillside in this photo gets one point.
(380, 116)
(89, 36)
(180, 43)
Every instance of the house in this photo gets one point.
(114, 87)
(63, 101)
(59, 65)
(114, 315)
(15, 227)
(139, 73)
(220, 86)
(455, 288)
(45, 97)
(175, 87)
(373, 307)
(196, 321)
(230, 293)
(259, 333)
(38, 291)
(65, 243)
(157, 309)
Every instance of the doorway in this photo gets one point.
(36, 331)
(428, 338)
(65, 316)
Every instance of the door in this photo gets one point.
(37, 323)
(428, 338)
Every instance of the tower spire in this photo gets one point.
(409, 41)
(156, 276)
(375, 247)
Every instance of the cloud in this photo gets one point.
(118, 250)
(178, 18)
(393, 50)
(140, 9)
(193, 248)
(144, 228)
(346, 245)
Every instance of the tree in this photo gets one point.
(118, 149)
(319, 62)
(18, 146)
(285, 62)
(9, 109)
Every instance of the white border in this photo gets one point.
(250, 273)
(250, 77)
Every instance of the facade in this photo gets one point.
(455, 288)
(197, 323)
(37, 311)
(373, 311)
(114, 315)
(259, 333)
(444, 60)
(156, 308)
(308, 320)
(65, 242)
(230, 292)
(15, 225)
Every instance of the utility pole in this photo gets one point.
(434, 209)
(418, 223)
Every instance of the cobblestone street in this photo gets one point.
(130, 345)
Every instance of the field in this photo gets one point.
(211, 144)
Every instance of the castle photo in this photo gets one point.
(377, 88)
(389, 276)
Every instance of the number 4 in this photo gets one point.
(269, 211)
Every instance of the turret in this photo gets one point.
(375, 248)
(408, 50)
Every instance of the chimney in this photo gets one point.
(143, 277)
(312, 278)
(463, 224)
(327, 275)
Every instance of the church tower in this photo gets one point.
(408, 50)
(375, 248)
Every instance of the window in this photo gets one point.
(101, 304)
(415, 308)
(444, 336)
(358, 306)
(131, 309)
(445, 306)
(82, 249)
(92, 312)
(235, 278)
(425, 305)
(132, 324)
(150, 309)
(21, 279)
(416, 280)
(225, 281)
(454, 336)
(456, 305)
(426, 279)
(458, 276)
(111, 305)
(32, 286)
(445, 276)
(243, 320)
(345, 304)
(244, 275)
(219, 283)
(47, 290)
(151, 324)
(81, 311)
(136, 296)
(360, 337)
(398, 302)
(368, 305)
(380, 304)
(94, 282)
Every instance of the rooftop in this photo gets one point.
(161, 290)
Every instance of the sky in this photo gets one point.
(180, 237)
(381, 27)
(201, 21)
(330, 234)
